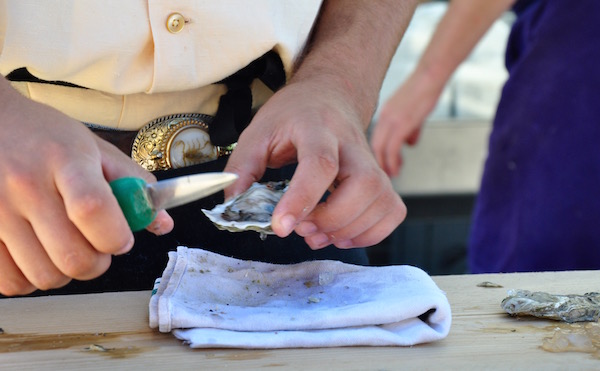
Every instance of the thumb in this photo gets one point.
(116, 164)
(249, 163)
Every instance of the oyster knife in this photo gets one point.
(140, 201)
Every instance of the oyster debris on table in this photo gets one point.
(567, 308)
(489, 284)
(251, 210)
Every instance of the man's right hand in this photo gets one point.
(58, 217)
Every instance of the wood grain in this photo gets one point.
(108, 331)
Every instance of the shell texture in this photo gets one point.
(251, 210)
(567, 308)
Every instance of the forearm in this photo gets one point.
(352, 46)
(460, 29)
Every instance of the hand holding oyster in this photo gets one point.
(251, 210)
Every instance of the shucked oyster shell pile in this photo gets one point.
(251, 210)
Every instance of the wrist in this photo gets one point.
(342, 55)
(343, 82)
(434, 75)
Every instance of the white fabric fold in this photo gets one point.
(209, 300)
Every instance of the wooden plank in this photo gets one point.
(57, 332)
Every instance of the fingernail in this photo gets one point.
(344, 244)
(127, 247)
(320, 239)
(288, 222)
(161, 225)
(306, 228)
(155, 228)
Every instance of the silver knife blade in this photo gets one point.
(169, 193)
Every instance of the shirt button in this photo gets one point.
(175, 23)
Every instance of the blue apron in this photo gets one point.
(539, 203)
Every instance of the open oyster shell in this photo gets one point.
(249, 211)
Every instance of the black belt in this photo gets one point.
(122, 139)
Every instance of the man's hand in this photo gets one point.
(58, 217)
(318, 128)
(319, 120)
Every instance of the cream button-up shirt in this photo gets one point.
(141, 59)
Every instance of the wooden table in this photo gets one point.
(110, 331)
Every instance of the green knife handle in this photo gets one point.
(133, 199)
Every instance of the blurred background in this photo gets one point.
(440, 176)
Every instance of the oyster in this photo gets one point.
(567, 308)
(251, 210)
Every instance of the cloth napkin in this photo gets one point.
(214, 301)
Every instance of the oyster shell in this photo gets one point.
(251, 210)
(567, 308)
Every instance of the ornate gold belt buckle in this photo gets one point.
(176, 141)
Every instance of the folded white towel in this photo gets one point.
(213, 301)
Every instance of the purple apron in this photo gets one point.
(539, 203)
